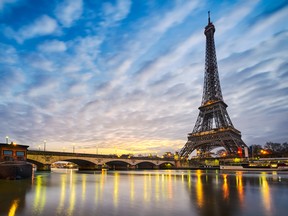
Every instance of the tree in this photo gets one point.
(275, 148)
(255, 150)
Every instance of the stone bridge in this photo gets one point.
(44, 159)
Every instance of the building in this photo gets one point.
(13, 152)
(13, 163)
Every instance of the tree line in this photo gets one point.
(270, 149)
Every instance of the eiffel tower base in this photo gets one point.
(204, 142)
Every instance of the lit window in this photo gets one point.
(8, 152)
(20, 153)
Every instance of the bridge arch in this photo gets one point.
(146, 165)
(118, 165)
(44, 163)
(166, 165)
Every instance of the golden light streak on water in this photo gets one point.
(37, 192)
(169, 184)
(199, 188)
(189, 180)
(149, 186)
(225, 187)
(132, 192)
(116, 189)
(13, 207)
(40, 196)
(102, 183)
(84, 179)
(145, 190)
(265, 191)
(157, 188)
(63, 194)
(162, 185)
(72, 194)
(239, 185)
(97, 185)
(217, 179)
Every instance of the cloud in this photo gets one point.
(68, 12)
(140, 90)
(175, 16)
(254, 33)
(42, 26)
(8, 55)
(52, 46)
(115, 13)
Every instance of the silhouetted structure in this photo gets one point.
(213, 127)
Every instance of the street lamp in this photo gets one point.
(39, 147)
(44, 145)
(73, 147)
(7, 139)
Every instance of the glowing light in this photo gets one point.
(40, 196)
(239, 185)
(266, 199)
(132, 194)
(84, 178)
(199, 188)
(116, 189)
(13, 207)
(63, 193)
(72, 194)
(170, 190)
(157, 189)
(145, 192)
(225, 187)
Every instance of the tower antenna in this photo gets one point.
(209, 17)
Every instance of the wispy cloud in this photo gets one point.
(68, 12)
(113, 13)
(53, 46)
(44, 25)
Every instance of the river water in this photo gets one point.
(151, 192)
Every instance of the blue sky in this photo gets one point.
(127, 76)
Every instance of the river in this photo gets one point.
(150, 192)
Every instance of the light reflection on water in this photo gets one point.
(155, 192)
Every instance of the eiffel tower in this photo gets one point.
(213, 127)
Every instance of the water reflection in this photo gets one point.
(12, 196)
(265, 194)
(14, 206)
(154, 192)
(239, 186)
(199, 189)
(62, 194)
(116, 189)
(40, 195)
(225, 187)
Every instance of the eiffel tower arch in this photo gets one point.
(213, 126)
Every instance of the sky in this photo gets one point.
(126, 76)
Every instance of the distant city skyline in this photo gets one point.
(127, 76)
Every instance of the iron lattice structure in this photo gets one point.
(213, 127)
